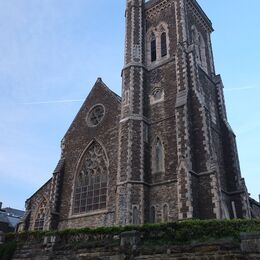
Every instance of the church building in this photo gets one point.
(164, 150)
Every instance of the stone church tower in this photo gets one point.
(162, 152)
(178, 154)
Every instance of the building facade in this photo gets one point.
(9, 219)
(162, 152)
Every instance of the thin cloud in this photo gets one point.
(53, 102)
(241, 88)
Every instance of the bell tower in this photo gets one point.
(177, 152)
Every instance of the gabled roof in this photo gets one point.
(3, 217)
(253, 201)
(45, 184)
(98, 82)
(112, 92)
(10, 217)
(14, 212)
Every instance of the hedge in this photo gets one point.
(175, 232)
(7, 250)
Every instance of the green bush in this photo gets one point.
(7, 250)
(179, 232)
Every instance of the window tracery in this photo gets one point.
(157, 44)
(40, 217)
(157, 94)
(91, 181)
(95, 115)
(200, 48)
(158, 156)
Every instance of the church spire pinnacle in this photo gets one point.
(134, 31)
(130, 175)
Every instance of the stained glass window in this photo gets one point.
(40, 217)
(91, 183)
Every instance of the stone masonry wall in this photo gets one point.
(78, 137)
(34, 202)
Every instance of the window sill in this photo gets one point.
(160, 62)
(93, 213)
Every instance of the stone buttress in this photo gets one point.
(130, 179)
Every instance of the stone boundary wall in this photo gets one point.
(131, 245)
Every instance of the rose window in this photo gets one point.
(96, 115)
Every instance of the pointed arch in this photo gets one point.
(158, 164)
(165, 213)
(90, 184)
(202, 52)
(152, 214)
(163, 44)
(157, 44)
(200, 47)
(164, 40)
(136, 220)
(153, 47)
(40, 216)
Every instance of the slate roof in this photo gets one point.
(14, 212)
(3, 217)
(11, 217)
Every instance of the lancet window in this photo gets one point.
(165, 214)
(90, 192)
(200, 48)
(153, 48)
(152, 215)
(158, 156)
(163, 44)
(157, 43)
(135, 216)
(41, 215)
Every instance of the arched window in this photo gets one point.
(163, 44)
(90, 192)
(165, 214)
(135, 216)
(40, 217)
(200, 48)
(202, 52)
(153, 48)
(158, 156)
(152, 214)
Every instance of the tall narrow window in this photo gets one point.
(163, 44)
(90, 192)
(165, 213)
(153, 48)
(135, 216)
(40, 217)
(200, 48)
(158, 156)
(202, 52)
(152, 214)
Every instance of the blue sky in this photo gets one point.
(51, 53)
